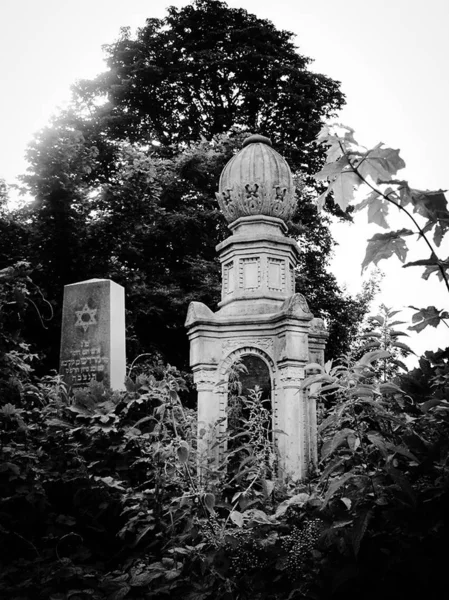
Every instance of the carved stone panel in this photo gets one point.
(205, 379)
(291, 375)
(228, 278)
(276, 274)
(235, 343)
(249, 273)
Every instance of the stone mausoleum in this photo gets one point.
(261, 320)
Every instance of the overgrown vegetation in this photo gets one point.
(100, 495)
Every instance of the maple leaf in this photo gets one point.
(331, 170)
(427, 316)
(377, 212)
(384, 245)
(372, 196)
(343, 187)
(380, 164)
(432, 264)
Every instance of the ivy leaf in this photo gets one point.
(384, 245)
(427, 316)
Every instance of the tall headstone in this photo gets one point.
(261, 318)
(93, 334)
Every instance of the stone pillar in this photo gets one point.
(293, 422)
(208, 419)
(93, 334)
(259, 314)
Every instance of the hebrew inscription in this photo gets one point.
(86, 363)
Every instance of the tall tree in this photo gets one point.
(124, 180)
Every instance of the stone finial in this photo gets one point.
(256, 181)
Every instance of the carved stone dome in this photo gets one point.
(256, 181)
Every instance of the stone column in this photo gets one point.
(208, 450)
(293, 421)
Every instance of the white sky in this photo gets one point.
(391, 57)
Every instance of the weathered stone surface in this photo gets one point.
(256, 181)
(93, 334)
(260, 318)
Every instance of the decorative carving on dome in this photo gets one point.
(256, 181)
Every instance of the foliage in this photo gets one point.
(372, 173)
(12, 231)
(383, 470)
(124, 179)
(19, 297)
(100, 495)
(380, 332)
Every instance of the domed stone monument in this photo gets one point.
(260, 315)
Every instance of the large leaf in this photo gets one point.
(332, 169)
(337, 484)
(380, 164)
(377, 213)
(432, 264)
(319, 378)
(402, 481)
(333, 444)
(183, 451)
(237, 518)
(384, 245)
(368, 358)
(427, 316)
(344, 187)
(297, 500)
(359, 530)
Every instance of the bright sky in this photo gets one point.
(390, 56)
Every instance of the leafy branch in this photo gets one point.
(351, 168)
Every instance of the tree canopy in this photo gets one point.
(124, 179)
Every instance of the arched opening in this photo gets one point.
(250, 414)
(255, 375)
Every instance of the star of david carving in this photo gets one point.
(89, 312)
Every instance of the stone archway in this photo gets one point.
(264, 365)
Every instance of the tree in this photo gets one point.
(124, 179)
(12, 230)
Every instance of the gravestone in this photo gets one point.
(93, 334)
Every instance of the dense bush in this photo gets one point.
(100, 497)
